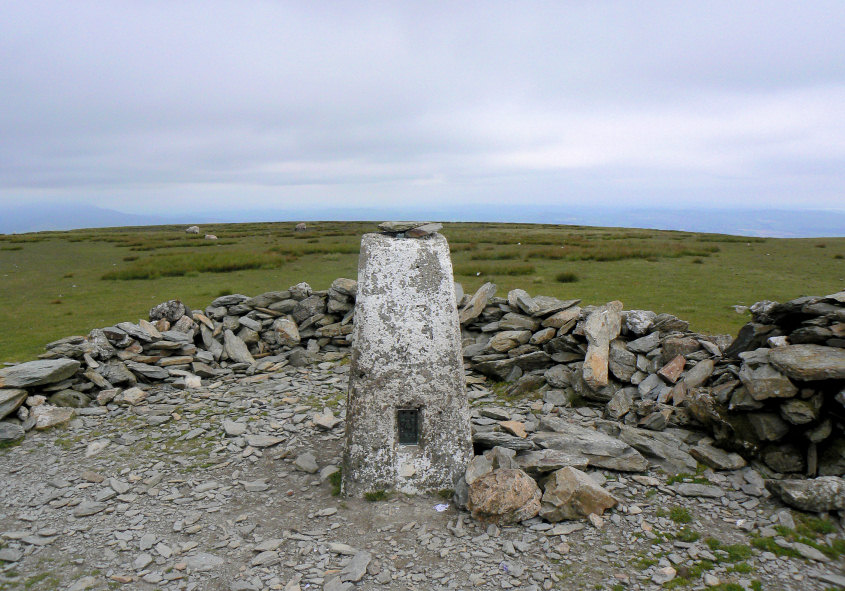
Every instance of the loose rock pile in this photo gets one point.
(775, 392)
(179, 346)
(782, 394)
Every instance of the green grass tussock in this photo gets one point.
(492, 270)
(180, 265)
(566, 277)
(316, 248)
(495, 255)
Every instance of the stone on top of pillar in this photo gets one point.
(410, 229)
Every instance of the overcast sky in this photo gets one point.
(173, 106)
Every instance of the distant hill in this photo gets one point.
(70, 216)
(61, 216)
(742, 222)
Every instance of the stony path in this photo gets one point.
(163, 496)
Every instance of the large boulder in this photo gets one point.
(808, 363)
(37, 373)
(600, 450)
(664, 448)
(826, 493)
(572, 494)
(47, 416)
(540, 462)
(504, 496)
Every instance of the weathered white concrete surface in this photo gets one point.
(406, 354)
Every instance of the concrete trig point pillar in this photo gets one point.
(407, 418)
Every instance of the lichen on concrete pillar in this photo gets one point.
(407, 417)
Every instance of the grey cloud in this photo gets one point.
(192, 102)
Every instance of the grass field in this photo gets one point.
(55, 284)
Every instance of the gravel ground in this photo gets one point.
(163, 496)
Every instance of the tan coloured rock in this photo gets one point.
(326, 420)
(150, 328)
(47, 416)
(176, 360)
(132, 396)
(508, 339)
(673, 370)
(476, 304)
(106, 396)
(602, 326)
(201, 318)
(193, 382)
(286, 332)
(504, 497)
(572, 494)
(514, 428)
(562, 318)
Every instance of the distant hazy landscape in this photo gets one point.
(55, 284)
(743, 222)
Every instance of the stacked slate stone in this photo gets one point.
(638, 363)
(774, 393)
(782, 394)
(235, 334)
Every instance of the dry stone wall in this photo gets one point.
(776, 392)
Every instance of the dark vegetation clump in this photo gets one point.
(566, 277)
